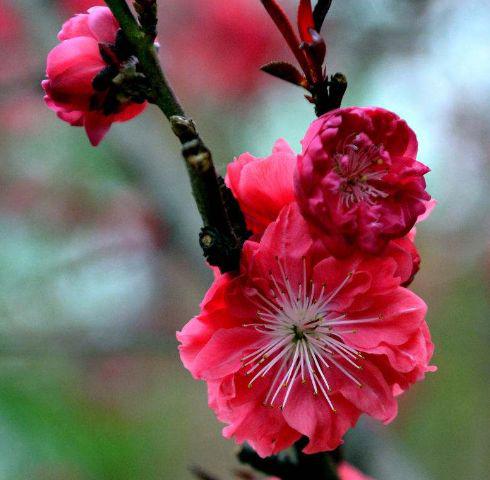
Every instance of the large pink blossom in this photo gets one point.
(323, 338)
(358, 179)
(72, 67)
(263, 186)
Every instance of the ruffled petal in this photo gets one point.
(312, 416)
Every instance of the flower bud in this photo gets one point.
(92, 80)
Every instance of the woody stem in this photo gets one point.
(206, 187)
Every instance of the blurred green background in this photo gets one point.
(99, 262)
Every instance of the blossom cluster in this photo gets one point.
(318, 326)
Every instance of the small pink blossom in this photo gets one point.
(263, 186)
(358, 179)
(302, 343)
(72, 67)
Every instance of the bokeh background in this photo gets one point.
(99, 262)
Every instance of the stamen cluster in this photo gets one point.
(302, 336)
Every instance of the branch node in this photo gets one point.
(183, 127)
(200, 162)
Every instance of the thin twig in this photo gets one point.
(320, 12)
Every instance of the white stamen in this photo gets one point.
(303, 337)
(362, 166)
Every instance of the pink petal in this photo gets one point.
(375, 397)
(223, 354)
(96, 126)
(312, 416)
(250, 421)
(102, 24)
(76, 26)
(73, 53)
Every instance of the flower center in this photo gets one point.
(304, 337)
(358, 167)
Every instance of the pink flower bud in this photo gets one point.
(80, 71)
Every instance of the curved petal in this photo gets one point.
(312, 416)
(76, 52)
(76, 26)
(263, 186)
(96, 125)
(193, 338)
(250, 421)
(223, 353)
(374, 397)
(102, 24)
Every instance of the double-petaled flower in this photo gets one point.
(358, 179)
(302, 343)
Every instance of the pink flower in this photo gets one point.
(345, 471)
(325, 339)
(358, 179)
(72, 89)
(263, 186)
